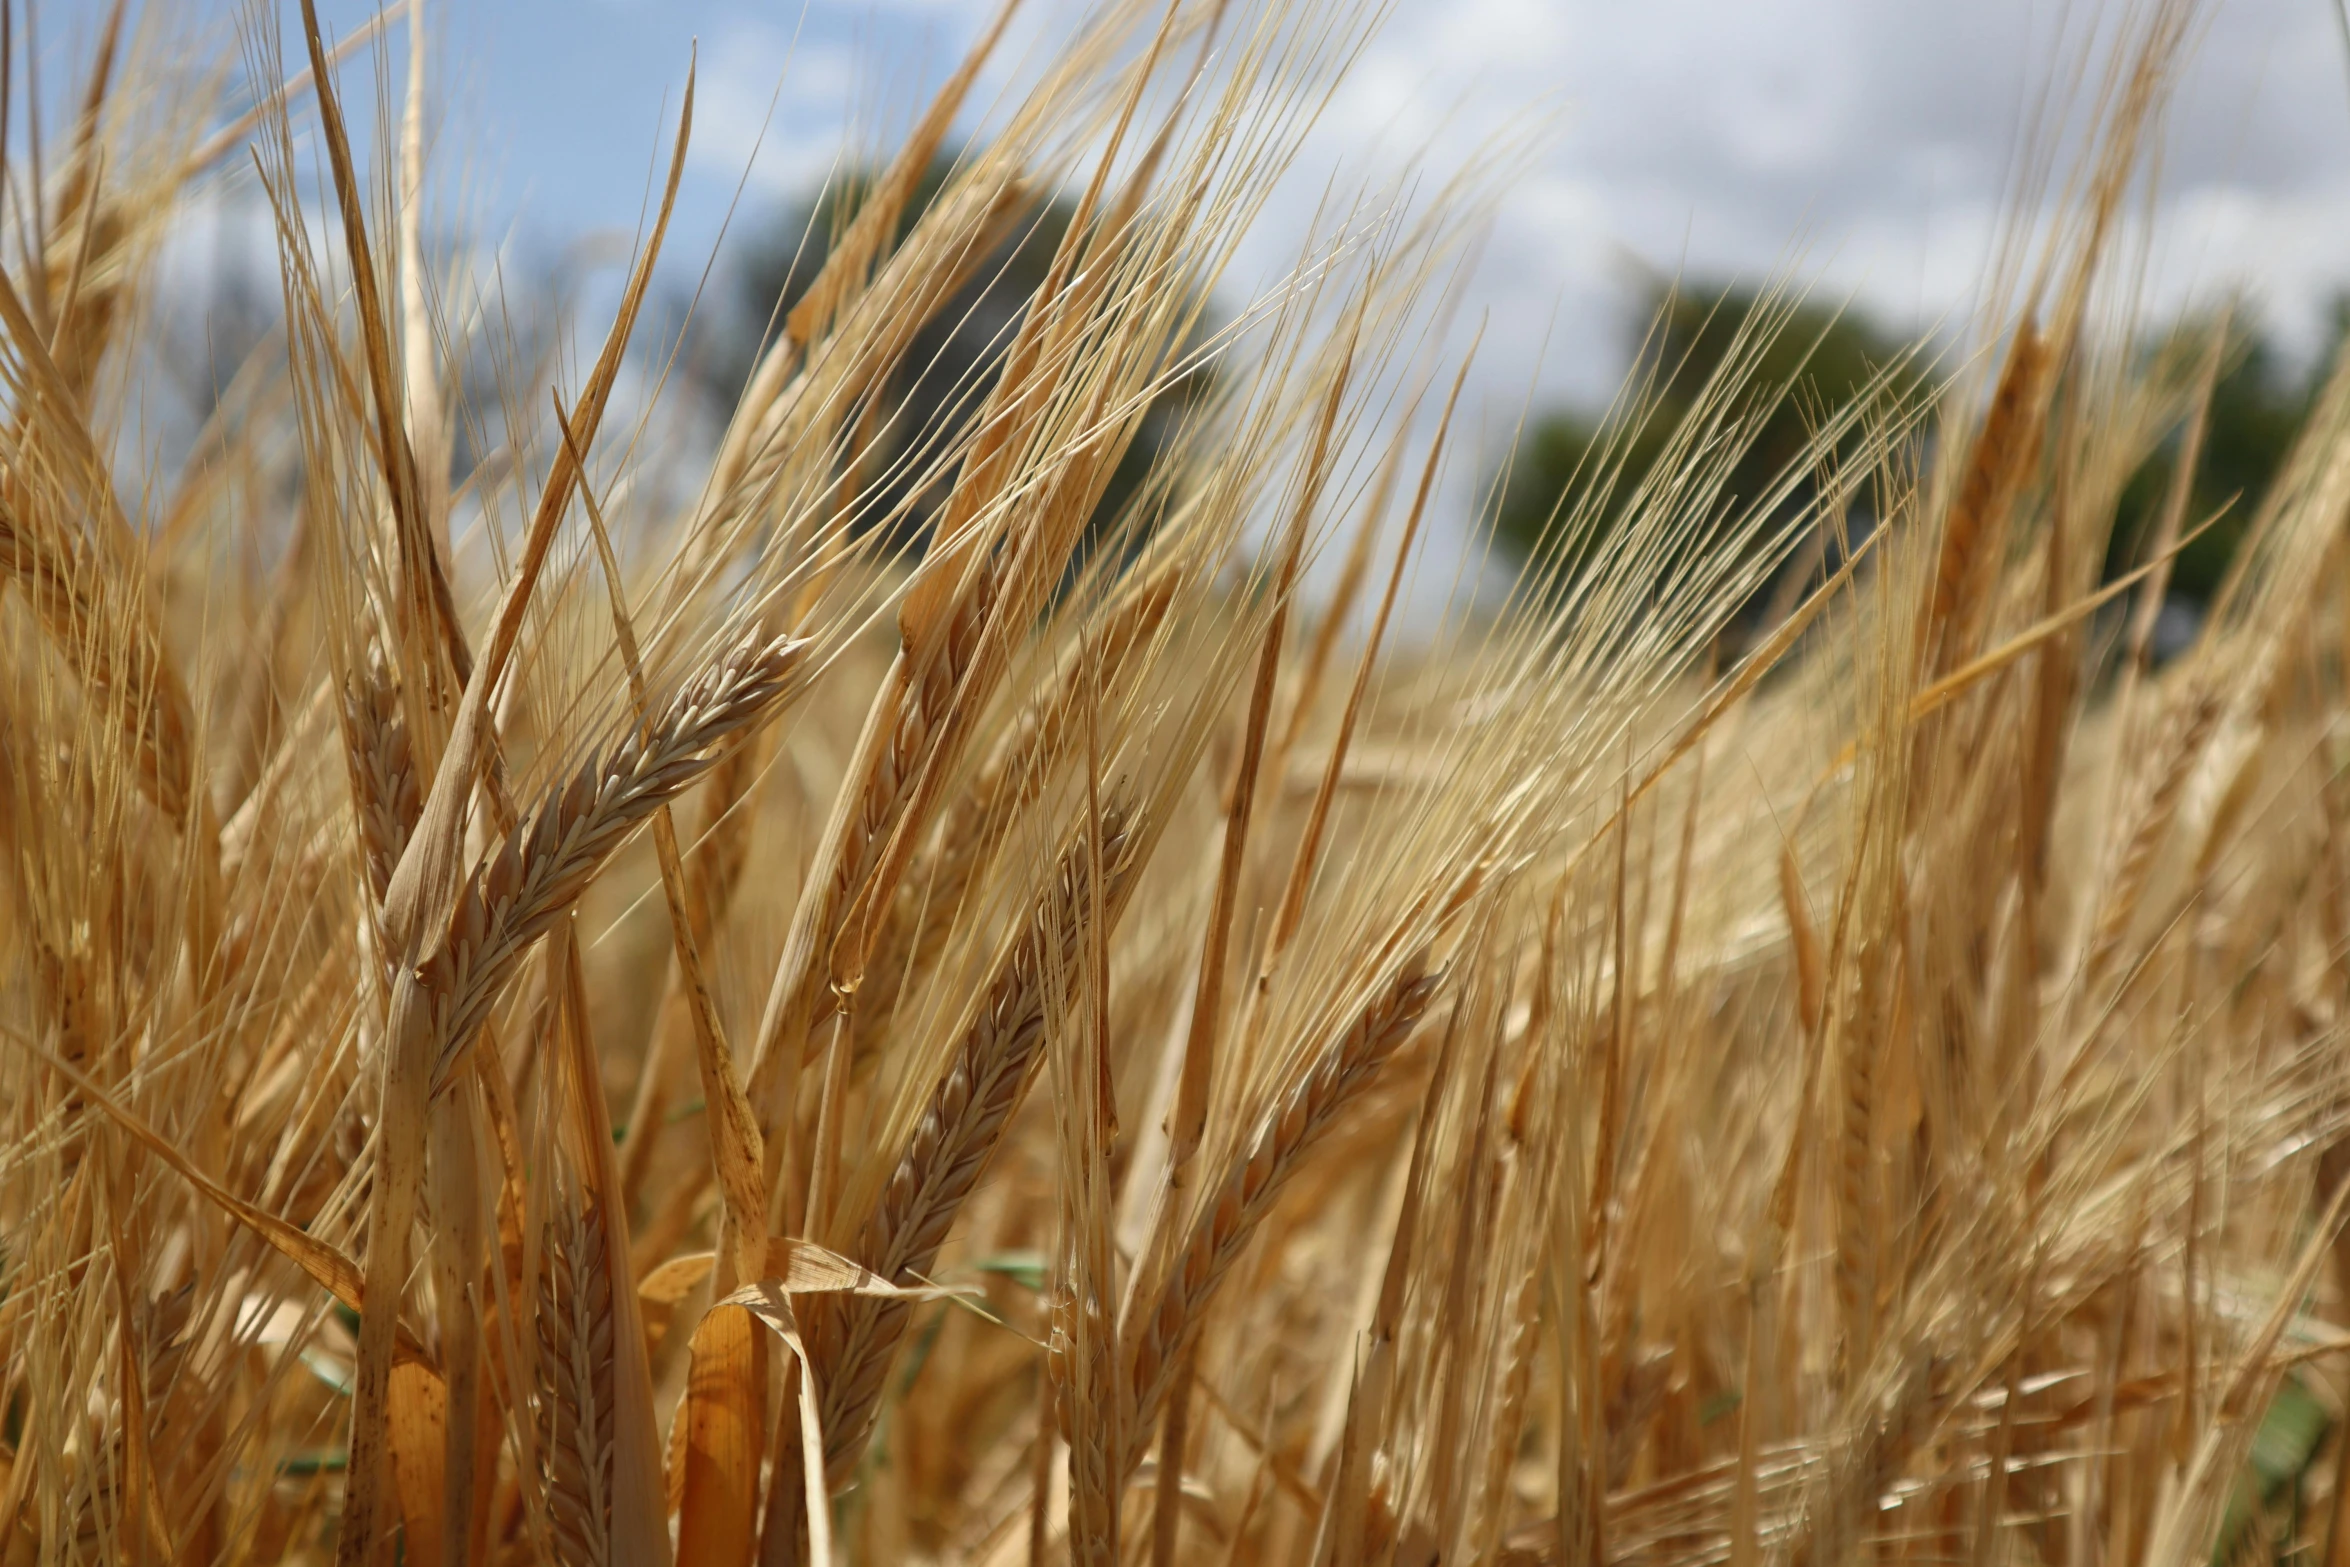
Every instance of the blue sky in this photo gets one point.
(558, 114)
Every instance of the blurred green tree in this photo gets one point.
(1822, 359)
(955, 357)
(1818, 361)
(2259, 403)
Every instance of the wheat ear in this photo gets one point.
(974, 823)
(2190, 730)
(114, 649)
(2001, 461)
(551, 855)
(575, 1386)
(993, 1064)
(387, 796)
(1240, 1201)
(911, 708)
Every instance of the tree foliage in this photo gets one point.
(956, 356)
(1818, 361)
(1822, 359)
(2259, 403)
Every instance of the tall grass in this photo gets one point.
(552, 1016)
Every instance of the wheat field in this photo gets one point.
(559, 1010)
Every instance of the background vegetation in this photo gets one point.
(956, 356)
(1824, 357)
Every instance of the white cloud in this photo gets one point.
(1874, 144)
(774, 104)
